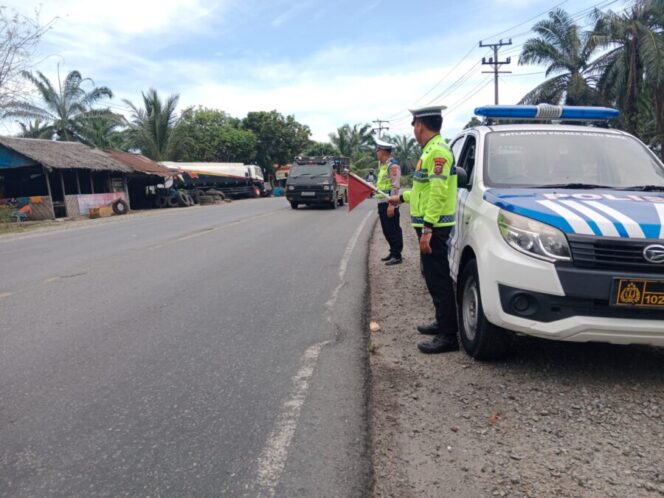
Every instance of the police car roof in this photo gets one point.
(532, 126)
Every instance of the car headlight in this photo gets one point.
(326, 187)
(291, 187)
(533, 238)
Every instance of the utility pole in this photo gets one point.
(493, 61)
(380, 127)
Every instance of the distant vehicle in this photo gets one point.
(318, 180)
(235, 180)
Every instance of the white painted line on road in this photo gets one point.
(344, 263)
(272, 462)
(273, 459)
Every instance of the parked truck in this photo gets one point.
(318, 180)
(235, 180)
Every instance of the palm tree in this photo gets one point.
(567, 51)
(35, 129)
(352, 141)
(64, 108)
(636, 55)
(406, 152)
(154, 128)
(103, 130)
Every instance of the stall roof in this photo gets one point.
(141, 164)
(63, 155)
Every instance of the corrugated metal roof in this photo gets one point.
(141, 164)
(63, 155)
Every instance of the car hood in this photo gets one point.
(603, 213)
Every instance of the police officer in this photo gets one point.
(388, 183)
(432, 207)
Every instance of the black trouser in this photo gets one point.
(437, 276)
(391, 229)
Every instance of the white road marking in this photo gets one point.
(273, 458)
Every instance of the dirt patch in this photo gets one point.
(553, 419)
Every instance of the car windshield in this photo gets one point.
(573, 159)
(310, 170)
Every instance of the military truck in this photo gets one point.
(318, 180)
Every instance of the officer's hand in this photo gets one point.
(425, 243)
(394, 200)
(390, 210)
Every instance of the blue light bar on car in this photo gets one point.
(547, 112)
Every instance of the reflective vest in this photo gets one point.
(433, 196)
(386, 173)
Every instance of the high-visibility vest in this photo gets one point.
(386, 173)
(433, 196)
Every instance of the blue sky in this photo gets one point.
(328, 63)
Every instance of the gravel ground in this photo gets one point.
(552, 419)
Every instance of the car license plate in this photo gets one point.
(638, 293)
(308, 194)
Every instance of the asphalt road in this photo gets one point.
(209, 351)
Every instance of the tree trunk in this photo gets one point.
(658, 98)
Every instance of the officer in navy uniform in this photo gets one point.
(389, 183)
(433, 211)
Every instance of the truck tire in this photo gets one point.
(335, 201)
(480, 339)
(293, 205)
(161, 202)
(182, 199)
(173, 201)
(120, 206)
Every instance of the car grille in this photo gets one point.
(612, 254)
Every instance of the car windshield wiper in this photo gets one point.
(645, 188)
(573, 185)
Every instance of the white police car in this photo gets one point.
(559, 233)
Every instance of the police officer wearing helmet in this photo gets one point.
(433, 208)
(388, 183)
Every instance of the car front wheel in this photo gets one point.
(480, 339)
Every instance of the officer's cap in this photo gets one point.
(383, 145)
(434, 110)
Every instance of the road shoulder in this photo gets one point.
(552, 419)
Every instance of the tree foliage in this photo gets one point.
(357, 143)
(154, 128)
(566, 51)
(278, 138)
(212, 135)
(68, 108)
(19, 36)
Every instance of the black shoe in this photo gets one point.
(429, 328)
(442, 343)
(393, 261)
(386, 258)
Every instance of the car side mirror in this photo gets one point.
(462, 178)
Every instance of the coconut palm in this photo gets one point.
(154, 128)
(103, 130)
(64, 108)
(566, 50)
(352, 141)
(406, 152)
(35, 129)
(635, 56)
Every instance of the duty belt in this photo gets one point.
(443, 219)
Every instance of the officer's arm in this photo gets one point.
(438, 190)
(395, 177)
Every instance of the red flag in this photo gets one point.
(358, 191)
